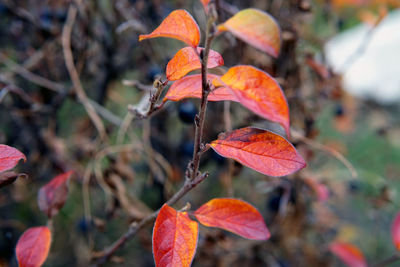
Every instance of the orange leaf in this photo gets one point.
(396, 231)
(52, 196)
(348, 253)
(256, 28)
(260, 150)
(190, 86)
(233, 215)
(187, 60)
(174, 238)
(33, 247)
(259, 92)
(178, 25)
(9, 157)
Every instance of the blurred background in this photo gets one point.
(339, 68)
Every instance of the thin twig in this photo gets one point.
(327, 149)
(73, 73)
(105, 113)
(30, 76)
(57, 87)
(124, 127)
(136, 226)
(385, 262)
(148, 106)
(193, 167)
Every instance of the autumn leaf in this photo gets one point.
(52, 196)
(190, 86)
(256, 28)
(258, 92)
(187, 60)
(396, 231)
(178, 25)
(261, 150)
(33, 247)
(9, 157)
(348, 253)
(174, 238)
(233, 215)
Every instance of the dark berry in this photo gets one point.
(84, 226)
(218, 158)
(274, 202)
(354, 186)
(340, 24)
(187, 111)
(339, 111)
(186, 149)
(153, 72)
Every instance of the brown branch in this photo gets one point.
(193, 166)
(104, 255)
(148, 106)
(327, 149)
(30, 76)
(193, 176)
(385, 262)
(73, 73)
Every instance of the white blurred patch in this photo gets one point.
(375, 72)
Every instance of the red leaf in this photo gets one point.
(190, 86)
(174, 238)
(259, 92)
(261, 150)
(52, 196)
(33, 247)
(187, 60)
(396, 231)
(178, 25)
(9, 157)
(256, 28)
(233, 215)
(349, 254)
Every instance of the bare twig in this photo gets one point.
(363, 45)
(148, 106)
(193, 167)
(86, 192)
(57, 87)
(327, 149)
(136, 226)
(73, 73)
(392, 259)
(34, 78)
(105, 113)
(124, 127)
